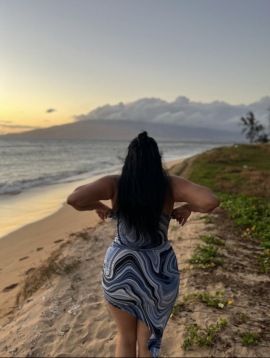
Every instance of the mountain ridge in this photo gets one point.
(123, 129)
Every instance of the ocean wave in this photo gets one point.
(17, 187)
(27, 164)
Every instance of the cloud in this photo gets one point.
(16, 126)
(6, 122)
(50, 110)
(182, 111)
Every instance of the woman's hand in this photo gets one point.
(181, 214)
(103, 212)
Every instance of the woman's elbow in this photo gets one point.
(211, 204)
(71, 200)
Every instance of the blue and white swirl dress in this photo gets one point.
(142, 277)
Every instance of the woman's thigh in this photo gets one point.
(126, 323)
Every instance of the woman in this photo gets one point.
(140, 274)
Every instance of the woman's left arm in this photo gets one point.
(87, 197)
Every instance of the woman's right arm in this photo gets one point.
(87, 197)
(197, 198)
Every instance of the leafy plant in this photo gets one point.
(250, 338)
(216, 300)
(202, 337)
(178, 307)
(206, 256)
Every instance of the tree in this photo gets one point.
(254, 130)
(269, 121)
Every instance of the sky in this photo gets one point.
(62, 59)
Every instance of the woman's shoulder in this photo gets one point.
(176, 180)
(114, 178)
(111, 180)
(180, 186)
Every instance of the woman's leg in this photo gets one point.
(143, 334)
(126, 325)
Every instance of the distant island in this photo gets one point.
(125, 130)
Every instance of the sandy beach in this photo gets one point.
(67, 315)
(30, 245)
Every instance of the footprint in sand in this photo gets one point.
(10, 287)
(23, 258)
(57, 241)
(29, 270)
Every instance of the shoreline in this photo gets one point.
(25, 208)
(41, 203)
(37, 203)
(29, 245)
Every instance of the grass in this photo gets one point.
(206, 256)
(252, 216)
(178, 307)
(212, 240)
(240, 176)
(38, 276)
(202, 336)
(250, 339)
(215, 300)
(239, 168)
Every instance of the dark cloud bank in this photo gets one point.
(17, 126)
(216, 115)
(181, 119)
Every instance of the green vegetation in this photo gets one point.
(250, 338)
(208, 219)
(240, 318)
(216, 300)
(236, 169)
(212, 240)
(178, 307)
(202, 337)
(206, 256)
(240, 175)
(252, 216)
(254, 130)
(38, 276)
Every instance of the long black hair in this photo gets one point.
(143, 186)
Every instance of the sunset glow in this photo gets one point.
(65, 58)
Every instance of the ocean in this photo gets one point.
(34, 171)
